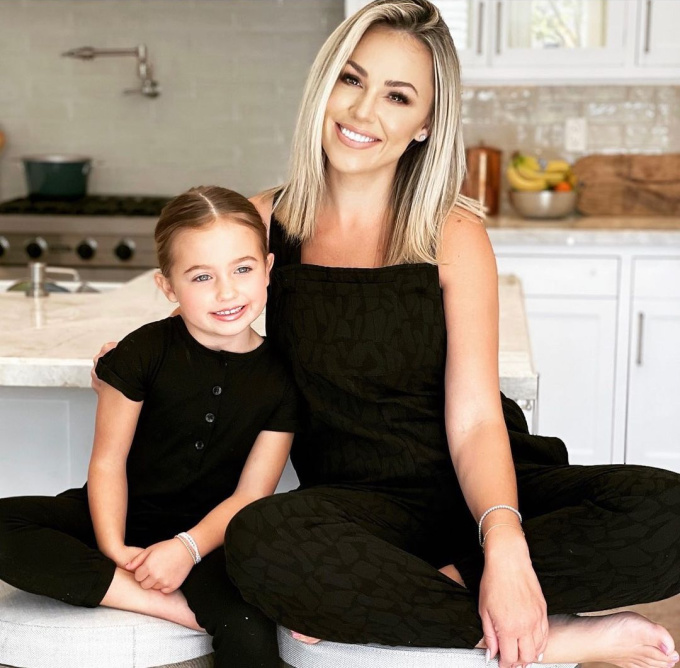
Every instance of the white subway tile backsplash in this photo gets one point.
(231, 74)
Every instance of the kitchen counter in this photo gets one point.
(47, 408)
(586, 230)
(50, 341)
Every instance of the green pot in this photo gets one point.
(57, 176)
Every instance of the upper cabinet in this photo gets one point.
(563, 41)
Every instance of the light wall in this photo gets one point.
(231, 73)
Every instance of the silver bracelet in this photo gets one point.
(191, 546)
(490, 510)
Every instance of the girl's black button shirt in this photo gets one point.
(202, 412)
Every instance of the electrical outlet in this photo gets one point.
(575, 135)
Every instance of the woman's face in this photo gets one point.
(380, 103)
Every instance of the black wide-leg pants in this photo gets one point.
(360, 565)
(48, 547)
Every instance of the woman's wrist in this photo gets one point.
(502, 538)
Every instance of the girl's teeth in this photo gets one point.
(356, 137)
(230, 311)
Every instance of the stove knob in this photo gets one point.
(125, 249)
(36, 247)
(4, 246)
(86, 249)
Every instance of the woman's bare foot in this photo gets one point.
(308, 640)
(625, 639)
(124, 593)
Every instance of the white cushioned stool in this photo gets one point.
(339, 655)
(39, 632)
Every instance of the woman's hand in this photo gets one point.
(94, 381)
(162, 566)
(511, 603)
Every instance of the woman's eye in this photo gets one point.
(201, 278)
(243, 270)
(398, 97)
(350, 79)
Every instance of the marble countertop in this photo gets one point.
(50, 341)
(586, 230)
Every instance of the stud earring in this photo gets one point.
(422, 137)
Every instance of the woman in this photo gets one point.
(384, 301)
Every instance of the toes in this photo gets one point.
(308, 640)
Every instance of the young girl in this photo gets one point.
(194, 421)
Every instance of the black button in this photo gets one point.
(209, 417)
(199, 445)
(217, 390)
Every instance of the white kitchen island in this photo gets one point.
(46, 347)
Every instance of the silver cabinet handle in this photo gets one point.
(648, 25)
(480, 28)
(641, 327)
(499, 6)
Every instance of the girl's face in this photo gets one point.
(380, 103)
(219, 276)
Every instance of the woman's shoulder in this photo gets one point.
(465, 243)
(264, 203)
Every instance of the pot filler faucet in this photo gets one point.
(149, 85)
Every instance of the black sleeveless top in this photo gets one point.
(367, 348)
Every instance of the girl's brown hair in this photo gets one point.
(198, 208)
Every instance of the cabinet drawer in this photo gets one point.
(657, 279)
(563, 276)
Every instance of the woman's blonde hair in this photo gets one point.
(200, 207)
(429, 174)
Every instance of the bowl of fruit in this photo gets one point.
(541, 188)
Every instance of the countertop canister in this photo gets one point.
(483, 177)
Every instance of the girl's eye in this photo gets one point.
(399, 98)
(350, 79)
(243, 270)
(201, 278)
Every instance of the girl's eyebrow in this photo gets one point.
(389, 83)
(197, 266)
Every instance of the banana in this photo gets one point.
(557, 166)
(552, 178)
(527, 161)
(519, 182)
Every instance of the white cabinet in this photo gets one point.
(562, 41)
(658, 44)
(653, 424)
(571, 306)
(560, 33)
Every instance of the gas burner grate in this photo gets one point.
(91, 205)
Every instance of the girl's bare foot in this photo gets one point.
(625, 639)
(124, 593)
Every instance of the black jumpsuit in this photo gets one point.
(352, 556)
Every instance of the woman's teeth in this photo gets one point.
(355, 136)
(230, 311)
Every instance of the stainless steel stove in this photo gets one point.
(104, 237)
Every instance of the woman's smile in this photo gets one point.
(380, 103)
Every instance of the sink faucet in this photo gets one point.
(37, 286)
(149, 86)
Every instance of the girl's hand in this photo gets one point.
(94, 381)
(511, 603)
(124, 555)
(162, 566)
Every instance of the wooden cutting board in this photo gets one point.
(632, 185)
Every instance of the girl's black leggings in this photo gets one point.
(47, 546)
(360, 565)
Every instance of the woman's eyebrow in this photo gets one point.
(389, 83)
